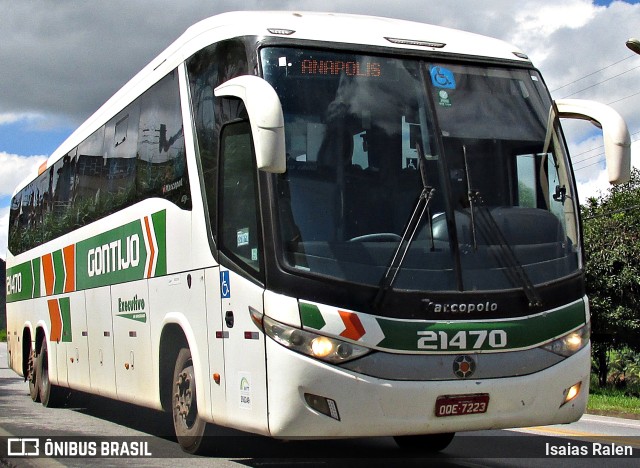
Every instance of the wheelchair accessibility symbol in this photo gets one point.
(225, 287)
(443, 78)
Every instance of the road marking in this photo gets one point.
(612, 421)
(622, 440)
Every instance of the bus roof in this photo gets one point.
(327, 27)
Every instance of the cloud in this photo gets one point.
(11, 118)
(87, 50)
(15, 169)
(63, 59)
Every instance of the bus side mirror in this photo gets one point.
(617, 142)
(265, 117)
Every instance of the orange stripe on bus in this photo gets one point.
(49, 275)
(153, 251)
(55, 333)
(69, 254)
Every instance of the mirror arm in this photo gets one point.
(265, 117)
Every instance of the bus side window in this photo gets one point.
(239, 231)
(89, 178)
(161, 159)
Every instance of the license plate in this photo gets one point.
(459, 405)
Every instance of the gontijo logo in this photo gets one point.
(130, 252)
(112, 257)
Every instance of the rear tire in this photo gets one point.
(32, 375)
(51, 396)
(427, 443)
(189, 427)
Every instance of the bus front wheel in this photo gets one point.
(428, 443)
(189, 427)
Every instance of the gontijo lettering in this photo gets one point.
(113, 257)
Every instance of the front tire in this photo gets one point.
(427, 443)
(188, 425)
(51, 396)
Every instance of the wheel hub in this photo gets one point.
(184, 398)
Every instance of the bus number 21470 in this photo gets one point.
(471, 339)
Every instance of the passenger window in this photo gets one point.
(239, 226)
(162, 164)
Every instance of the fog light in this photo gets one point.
(571, 393)
(323, 405)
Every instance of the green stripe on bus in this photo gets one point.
(159, 221)
(35, 273)
(58, 268)
(65, 312)
(456, 335)
(311, 316)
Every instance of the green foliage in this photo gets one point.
(3, 335)
(612, 252)
(612, 400)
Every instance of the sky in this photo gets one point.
(61, 60)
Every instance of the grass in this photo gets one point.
(614, 400)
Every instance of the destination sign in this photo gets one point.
(336, 67)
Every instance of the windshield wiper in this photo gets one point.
(421, 207)
(493, 235)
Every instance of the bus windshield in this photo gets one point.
(367, 136)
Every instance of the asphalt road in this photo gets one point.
(93, 420)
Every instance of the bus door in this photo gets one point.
(244, 351)
(130, 308)
(241, 278)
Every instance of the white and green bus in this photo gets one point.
(311, 225)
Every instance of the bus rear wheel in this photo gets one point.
(188, 425)
(427, 443)
(32, 376)
(51, 396)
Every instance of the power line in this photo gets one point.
(593, 73)
(608, 213)
(589, 165)
(622, 99)
(574, 156)
(593, 163)
(600, 82)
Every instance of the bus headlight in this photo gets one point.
(311, 344)
(570, 343)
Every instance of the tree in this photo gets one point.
(612, 252)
